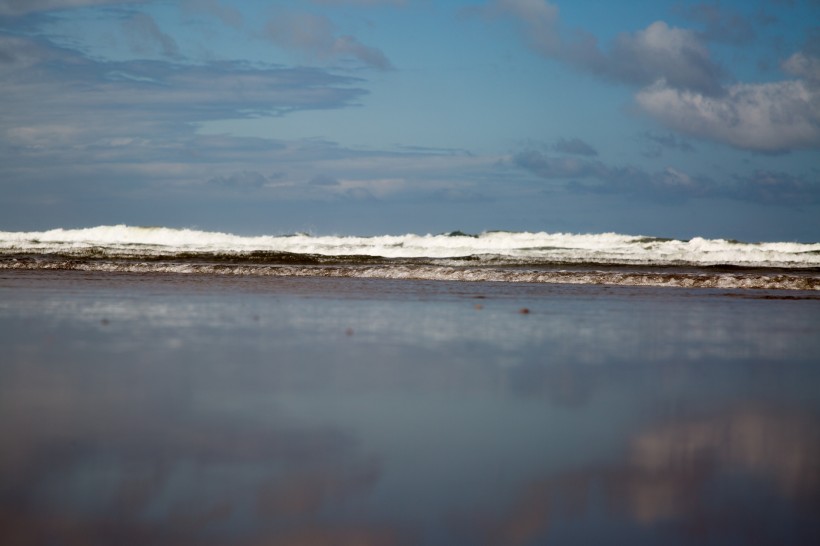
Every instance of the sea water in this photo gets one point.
(491, 256)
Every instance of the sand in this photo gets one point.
(173, 409)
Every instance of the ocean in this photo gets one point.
(163, 386)
(608, 258)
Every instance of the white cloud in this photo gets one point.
(803, 66)
(640, 58)
(661, 51)
(768, 117)
(681, 86)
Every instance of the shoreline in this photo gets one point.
(800, 282)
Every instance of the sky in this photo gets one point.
(665, 118)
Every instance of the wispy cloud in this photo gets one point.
(68, 117)
(555, 167)
(79, 91)
(657, 144)
(22, 7)
(667, 184)
(804, 65)
(145, 36)
(360, 2)
(323, 180)
(767, 186)
(21, 53)
(226, 14)
(78, 127)
(586, 176)
(720, 23)
(243, 180)
(316, 36)
(574, 146)
(669, 141)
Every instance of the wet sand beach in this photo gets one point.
(176, 409)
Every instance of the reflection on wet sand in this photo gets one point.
(781, 447)
(123, 463)
(306, 492)
(172, 415)
(155, 470)
(681, 473)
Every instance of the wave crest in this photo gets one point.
(514, 247)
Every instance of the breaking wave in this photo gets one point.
(606, 258)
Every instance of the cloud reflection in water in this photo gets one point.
(174, 413)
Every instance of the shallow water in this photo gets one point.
(173, 409)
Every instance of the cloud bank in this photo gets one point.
(771, 117)
(679, 84)
(675, 55)
(669, 184)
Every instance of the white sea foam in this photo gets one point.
(676, 279)
(606, 248)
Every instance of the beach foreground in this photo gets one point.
(211, 409)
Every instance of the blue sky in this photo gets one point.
(666, 118)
